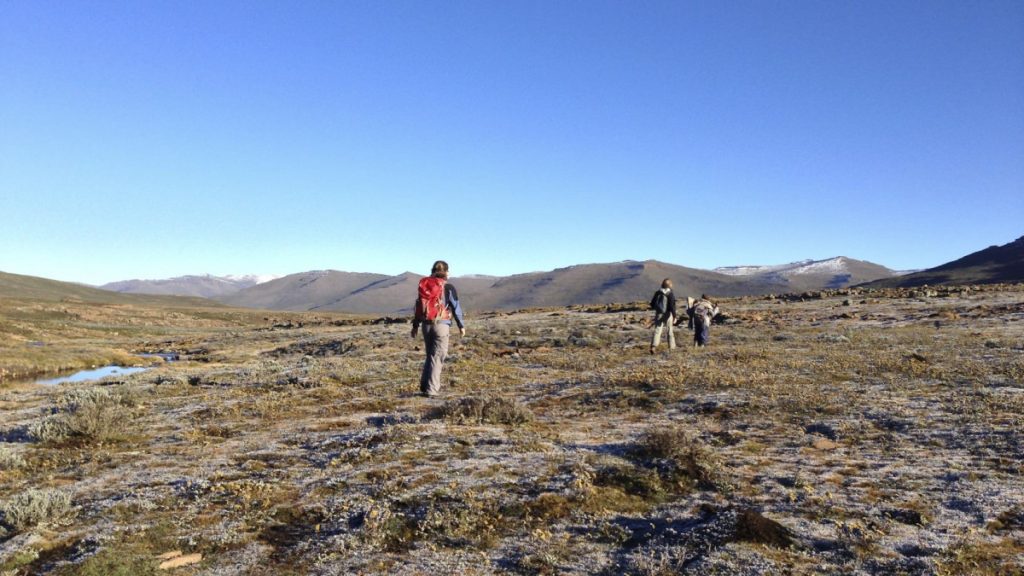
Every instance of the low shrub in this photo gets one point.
(487, 410)
(9, 459)
(682, 457)
(631, 480)
(36, 507)
(90, 415)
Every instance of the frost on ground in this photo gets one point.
(848, 432)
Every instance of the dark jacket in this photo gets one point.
(670, 309)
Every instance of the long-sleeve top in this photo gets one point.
(451, 301)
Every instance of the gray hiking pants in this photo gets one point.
(435, 336)
(658, 326)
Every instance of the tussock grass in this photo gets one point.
(683, 458)
(982, 558)
(484, 410)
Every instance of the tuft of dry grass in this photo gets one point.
(485, 410)
(683, 458)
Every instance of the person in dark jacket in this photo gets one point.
(436, 330)
(664, 305)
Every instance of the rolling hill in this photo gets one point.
(18, 286)
(628, 281)
(995, 264)
(315, 290)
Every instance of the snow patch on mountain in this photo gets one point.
(253, 278)
(837, 265)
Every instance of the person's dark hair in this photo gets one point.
(666, 283)
(704, 297)
(439, 269)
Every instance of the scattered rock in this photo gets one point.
(751, 526)
(911, 517)
(821, 429)
(390, 320)
(179, 561)
(916, 551)
(824, 444)
(319, 348)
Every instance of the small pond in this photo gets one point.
(94, 374)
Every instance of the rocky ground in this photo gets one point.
(846, 432)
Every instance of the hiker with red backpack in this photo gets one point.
(437, 304)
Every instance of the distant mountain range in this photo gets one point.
(992, 265)
(205, 286)
(627, 281)
(835, 272)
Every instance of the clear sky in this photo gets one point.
(149, 139)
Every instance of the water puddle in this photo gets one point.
(105, 371)
(94, 374)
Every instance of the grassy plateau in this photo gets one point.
(843, 432)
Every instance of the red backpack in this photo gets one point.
(430, 305)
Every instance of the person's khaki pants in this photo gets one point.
(658, 326)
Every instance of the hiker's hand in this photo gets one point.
(462, 332)
(414, 329)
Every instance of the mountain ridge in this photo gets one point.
(599, 283)
(586, 284)
(19, 286)
(200, 285)
(992, 265)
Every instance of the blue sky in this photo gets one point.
(154, 139)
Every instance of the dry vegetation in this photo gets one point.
(867, 433)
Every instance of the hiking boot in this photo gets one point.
(652, 349)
